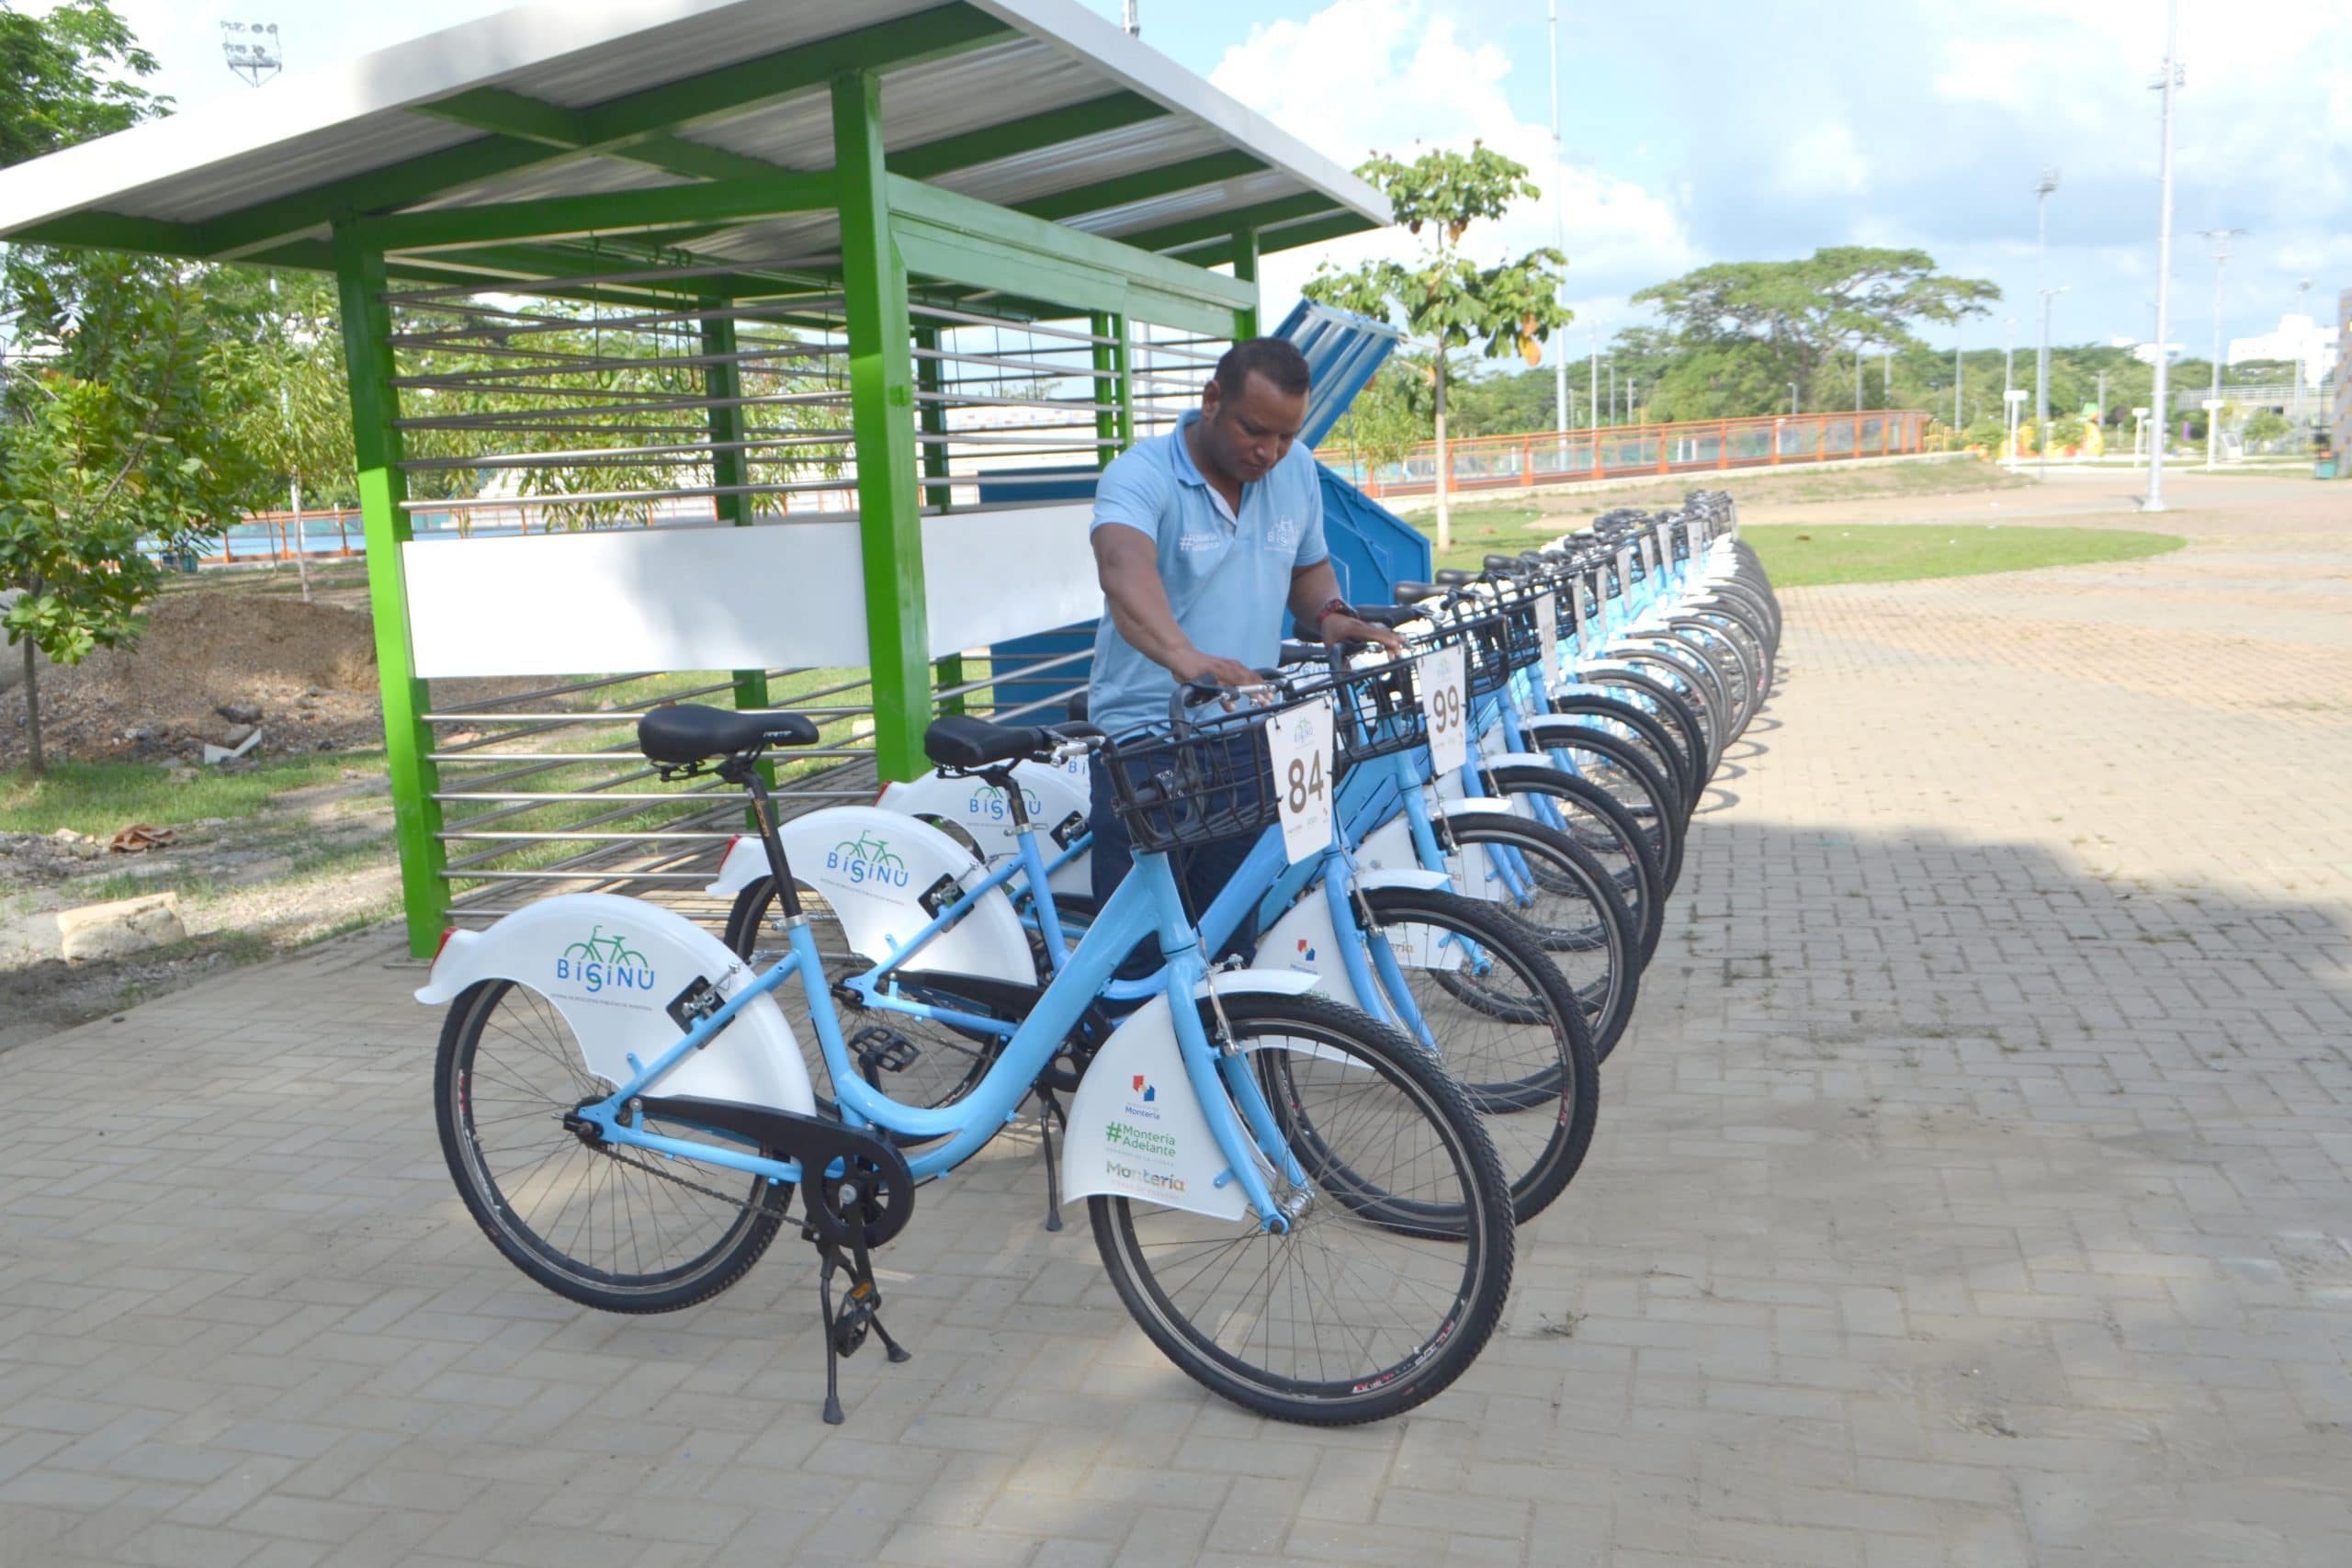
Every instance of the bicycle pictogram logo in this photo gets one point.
(603, 962)
(866, 860)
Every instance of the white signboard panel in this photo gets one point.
(780, 594)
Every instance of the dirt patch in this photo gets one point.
(310, 669)
(40, 999)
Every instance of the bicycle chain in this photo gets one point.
(772, 1210)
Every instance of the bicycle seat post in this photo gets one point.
(743, 769)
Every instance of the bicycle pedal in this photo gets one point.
(881, 1050)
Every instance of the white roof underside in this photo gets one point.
(358, 115)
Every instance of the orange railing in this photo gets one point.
(1707, 446)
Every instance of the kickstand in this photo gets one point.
(833, 1417)
(859, 1313)
(1049, 1110)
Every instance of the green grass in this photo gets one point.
(1799, 555)
(102, 798)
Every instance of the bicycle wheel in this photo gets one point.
(1602, 828)
(614, 1229)
(1562, 898)
(946, 1061)
(1392, 1275)
(1507, 1026)
(1619, 769)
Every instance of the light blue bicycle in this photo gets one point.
(1295, 1203)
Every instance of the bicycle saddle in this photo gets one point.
(688, 732)
(1414, 593)
(959, 741)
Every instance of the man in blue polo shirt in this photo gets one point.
(1202, 539)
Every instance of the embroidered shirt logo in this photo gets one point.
(1283, 536)
(1189, 543)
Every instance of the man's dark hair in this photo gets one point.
(1275, 358)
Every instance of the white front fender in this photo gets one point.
(1135, 1126)
(611, 966)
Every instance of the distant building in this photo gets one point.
(2297, 337)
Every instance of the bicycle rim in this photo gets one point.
(599, 1225)
(1391, 1277)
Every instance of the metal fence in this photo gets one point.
(1495, 462)
(537, 417)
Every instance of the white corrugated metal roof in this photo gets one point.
(360, 120)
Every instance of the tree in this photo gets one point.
(1386, 421)
(122, 442)
(1773, 322)
(1449, 302)
(117, 407)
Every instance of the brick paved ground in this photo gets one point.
(1975, 1188)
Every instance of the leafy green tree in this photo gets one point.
(1388, 419)
(1797, 320)
(116, 398)
(120, 437)
(68, 76)
(1448, 301)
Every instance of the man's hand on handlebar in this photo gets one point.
(1337, 627)
(1208, 669)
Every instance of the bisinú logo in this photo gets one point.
(605, 963)
(866, 861)
(989, 802)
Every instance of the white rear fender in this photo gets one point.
(978, 809)
(611, 966)
(1136, 1127)
(874, 867)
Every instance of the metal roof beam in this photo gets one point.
(525, 118)
(1188, 234)
(1141, 185)
(619, 127)
(670, 207)
(1330, 226)
(1015, 137)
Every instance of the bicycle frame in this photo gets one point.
(1145, 905)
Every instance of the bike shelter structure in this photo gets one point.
(687, 342)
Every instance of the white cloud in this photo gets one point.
(1364, 76)
(1824, 161)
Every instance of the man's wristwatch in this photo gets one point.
(1330, 607)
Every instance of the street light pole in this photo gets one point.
(1792, 398)
(1957, 371)
(1559, 227)
(2041, 189)
(2159, 409)
(2220, 239)
(1592, 402)
(2302, 310)
(2009, 373)
(2041, 390)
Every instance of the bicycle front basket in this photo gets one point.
(1215, 781)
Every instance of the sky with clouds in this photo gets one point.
(1721, 132)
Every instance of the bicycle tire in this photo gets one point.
(1468, 1275)
(1539, 1093)
(1599, 824)
(1569, 871)
(1656, 805)
(578, 1178)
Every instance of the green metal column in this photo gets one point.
(931, 418)
(1109, 405)
(1123, 368)
(882, 403)
(408, 739)
(722, 381)
(1245, 269)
